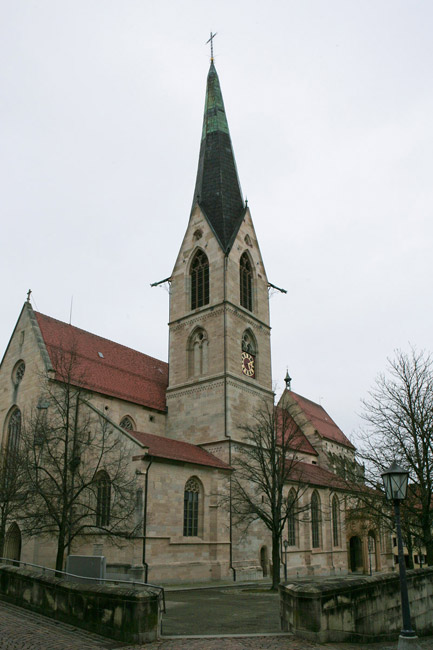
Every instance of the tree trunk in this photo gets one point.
(429, 552)
(275, 561)
(2, 538)
(60, 550)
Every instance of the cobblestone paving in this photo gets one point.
(24, 630)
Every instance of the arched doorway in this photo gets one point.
(355, 550)
(264, 563)
(13, 543)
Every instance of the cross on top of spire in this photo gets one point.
(212, 36)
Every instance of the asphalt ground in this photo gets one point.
(221, 611)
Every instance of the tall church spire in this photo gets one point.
(217, 188)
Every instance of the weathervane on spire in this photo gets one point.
(212, 36)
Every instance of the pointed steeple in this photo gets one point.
(217, 189)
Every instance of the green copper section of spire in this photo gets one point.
(217, 188)
(214, 112)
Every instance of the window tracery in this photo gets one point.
(198, 353)
(315, 520)
(14, 431)
(291, 521)
(103, 499)
(246, 282)
(335, 520)
(191, 507)
(199, 280)
(18, 372)
(127, 423)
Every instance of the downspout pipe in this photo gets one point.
(226, 435)
(146, 484)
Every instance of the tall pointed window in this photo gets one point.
(190, 508)
(291, 521)
(14, 431)
(198, 353)
(199, 280)
(103, 499)
(315, 520)
(246, 282)
(335, 521)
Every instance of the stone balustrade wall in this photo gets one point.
(125, 614)
(363, 609)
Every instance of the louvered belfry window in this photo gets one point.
(199, 280)
(246, 282)
(190, 508)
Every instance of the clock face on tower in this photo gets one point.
(248, 364)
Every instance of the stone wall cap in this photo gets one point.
(347, 583)
(106, 589)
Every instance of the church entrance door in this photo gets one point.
(264, 562)
(356, 563)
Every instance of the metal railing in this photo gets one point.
(133, 583)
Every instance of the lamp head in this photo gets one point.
(395, 482)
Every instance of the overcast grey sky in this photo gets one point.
(330, 110)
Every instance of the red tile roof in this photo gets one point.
(161, 447)
(315, 475)
(297, 440)
(321, 421)
(119, 372)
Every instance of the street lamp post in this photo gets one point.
(286, 543)
(370, 551)
(395, 481)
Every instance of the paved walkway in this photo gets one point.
(221, 611)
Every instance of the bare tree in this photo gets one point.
(399, 426)
(12, 490)
(78, 474)
(266, 470)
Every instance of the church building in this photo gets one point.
(181, 421)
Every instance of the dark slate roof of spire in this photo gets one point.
(217, 189)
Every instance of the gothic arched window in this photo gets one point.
(103, 499)
(315, 520)
(291, 521)
(12, 549)
(335, 520)
(246, 282)
(198, 353)
(249, 351)
(14, 431)
(190, 507)
(127, 423)
(199, 280)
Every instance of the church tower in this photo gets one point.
(219, 351)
